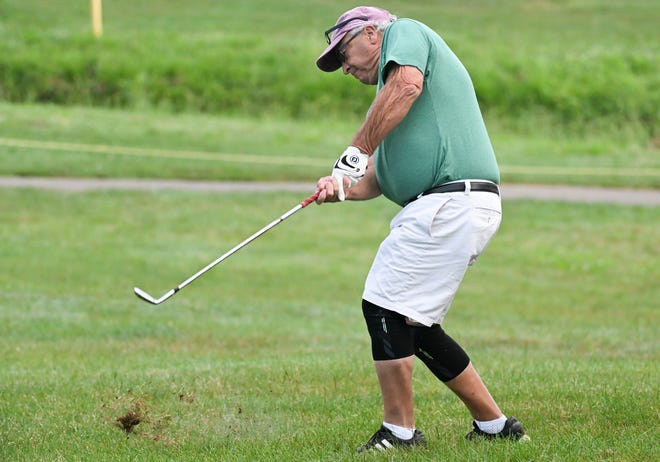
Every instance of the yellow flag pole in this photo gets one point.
(97, 18)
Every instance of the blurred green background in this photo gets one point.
(570, 90)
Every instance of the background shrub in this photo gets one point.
(567, 60)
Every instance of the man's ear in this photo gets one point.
(371, 33)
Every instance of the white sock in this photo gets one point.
(400, 432)
(492, 426)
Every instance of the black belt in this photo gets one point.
(459, 186)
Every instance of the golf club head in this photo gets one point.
(154, 301)
(145, 296)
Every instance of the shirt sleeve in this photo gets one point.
(405, 44)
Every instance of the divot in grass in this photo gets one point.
(129, 421)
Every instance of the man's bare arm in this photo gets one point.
(391, 105)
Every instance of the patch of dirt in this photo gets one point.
(129, 420)
(127, 411)
(187, 398)
(135, 415)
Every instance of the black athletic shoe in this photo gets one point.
(512, 430)
(384, 439)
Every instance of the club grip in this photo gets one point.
(309, 200)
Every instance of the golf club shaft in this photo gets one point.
(143, 295)
(236, 248)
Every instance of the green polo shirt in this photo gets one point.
(443, 138)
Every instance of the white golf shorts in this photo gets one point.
(421, 263)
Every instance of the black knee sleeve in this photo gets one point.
(441, 354)
(391, 337)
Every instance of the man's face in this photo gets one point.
(359, 55)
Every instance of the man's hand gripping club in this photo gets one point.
(352, 164)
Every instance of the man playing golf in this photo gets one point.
(423, 145)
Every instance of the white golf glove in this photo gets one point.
(352, 164)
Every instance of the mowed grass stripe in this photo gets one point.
(298, 161)
(161, 153)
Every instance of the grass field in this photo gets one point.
(91, 142)
(267, 358)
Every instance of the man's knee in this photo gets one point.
(441, 354)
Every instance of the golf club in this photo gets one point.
(157, 301)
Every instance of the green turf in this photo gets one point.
(266, 357)
(114, 143)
